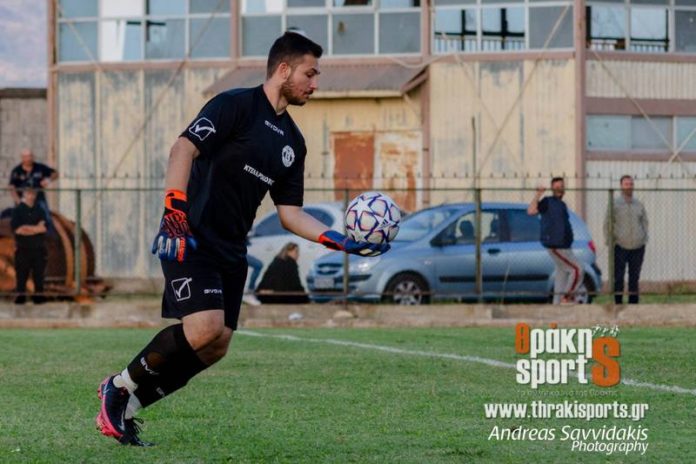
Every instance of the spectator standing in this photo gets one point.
(281, 282)
(30, 174)
(557, 238)
(629, 235)
(29, 227)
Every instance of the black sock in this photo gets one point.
(165, 365)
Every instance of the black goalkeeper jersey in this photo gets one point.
(246, 150)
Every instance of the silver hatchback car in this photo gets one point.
(434, 258)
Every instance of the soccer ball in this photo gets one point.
(372, 217)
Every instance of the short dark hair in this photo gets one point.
(556, 179)
(288, 48)
(625, 176)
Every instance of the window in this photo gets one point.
(485, 25)
(686, 133)
(649, 29)
(418, 225)
(606, 27)
(341, 27)
(522, 226)
(660, 134)
(685, 31)
(121, 40)
(131, 30)
(353, 34)
(542, 22)
(654, 134)
(608, 132)
(455, 30)
(77, 41)
(644, 26)
(502, 29)
(165, 39)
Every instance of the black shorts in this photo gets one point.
(198, 284)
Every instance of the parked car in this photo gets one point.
(434, 257)
(267, 237)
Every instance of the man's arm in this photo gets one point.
(607, 239)
(39, 228)
(533, 208)
(297, 221)
(181, 158)
(644, 221)
(174, 236)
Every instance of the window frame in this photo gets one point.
(674, 137)
(479, 5)
(671, 8)
(330, 11)
(187, 18)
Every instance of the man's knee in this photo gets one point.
(204, 328)
(216, 350)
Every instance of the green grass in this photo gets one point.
(275, 400)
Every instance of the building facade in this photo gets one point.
(414, 94)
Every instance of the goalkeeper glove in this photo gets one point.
(174, 236)
(338, 241)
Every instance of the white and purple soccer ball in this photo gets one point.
(372, 217)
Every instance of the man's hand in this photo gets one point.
(174, 236)
(540, 190)
(45, 183)
(338, 241)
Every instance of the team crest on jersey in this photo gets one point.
(202, 128)
(288, 156)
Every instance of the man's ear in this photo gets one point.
(284, 70)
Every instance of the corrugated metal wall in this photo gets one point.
(641, 79)
(524, 113)
(115, 130)
(22, 125)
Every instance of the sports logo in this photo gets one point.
(182, 290)
(202, 128)
(288, 156)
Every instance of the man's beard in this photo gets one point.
(287, 91)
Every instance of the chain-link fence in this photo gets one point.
(456, 244)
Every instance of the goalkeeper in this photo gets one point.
(241, 145)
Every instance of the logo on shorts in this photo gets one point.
(288, 156)
(202, 128)
(182, 290)
(215, 291)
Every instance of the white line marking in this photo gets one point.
(456, 357)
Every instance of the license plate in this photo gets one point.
(323, 282)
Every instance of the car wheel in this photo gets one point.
(407, 289)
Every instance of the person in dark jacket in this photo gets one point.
(557, 238)
(281, 283)
(29, 227)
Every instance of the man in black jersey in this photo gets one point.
(241, 145)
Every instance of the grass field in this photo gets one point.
(303, 400)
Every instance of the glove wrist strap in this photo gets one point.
(175, 199)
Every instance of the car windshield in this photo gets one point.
(418, 225)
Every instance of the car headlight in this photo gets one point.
(365, 264)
